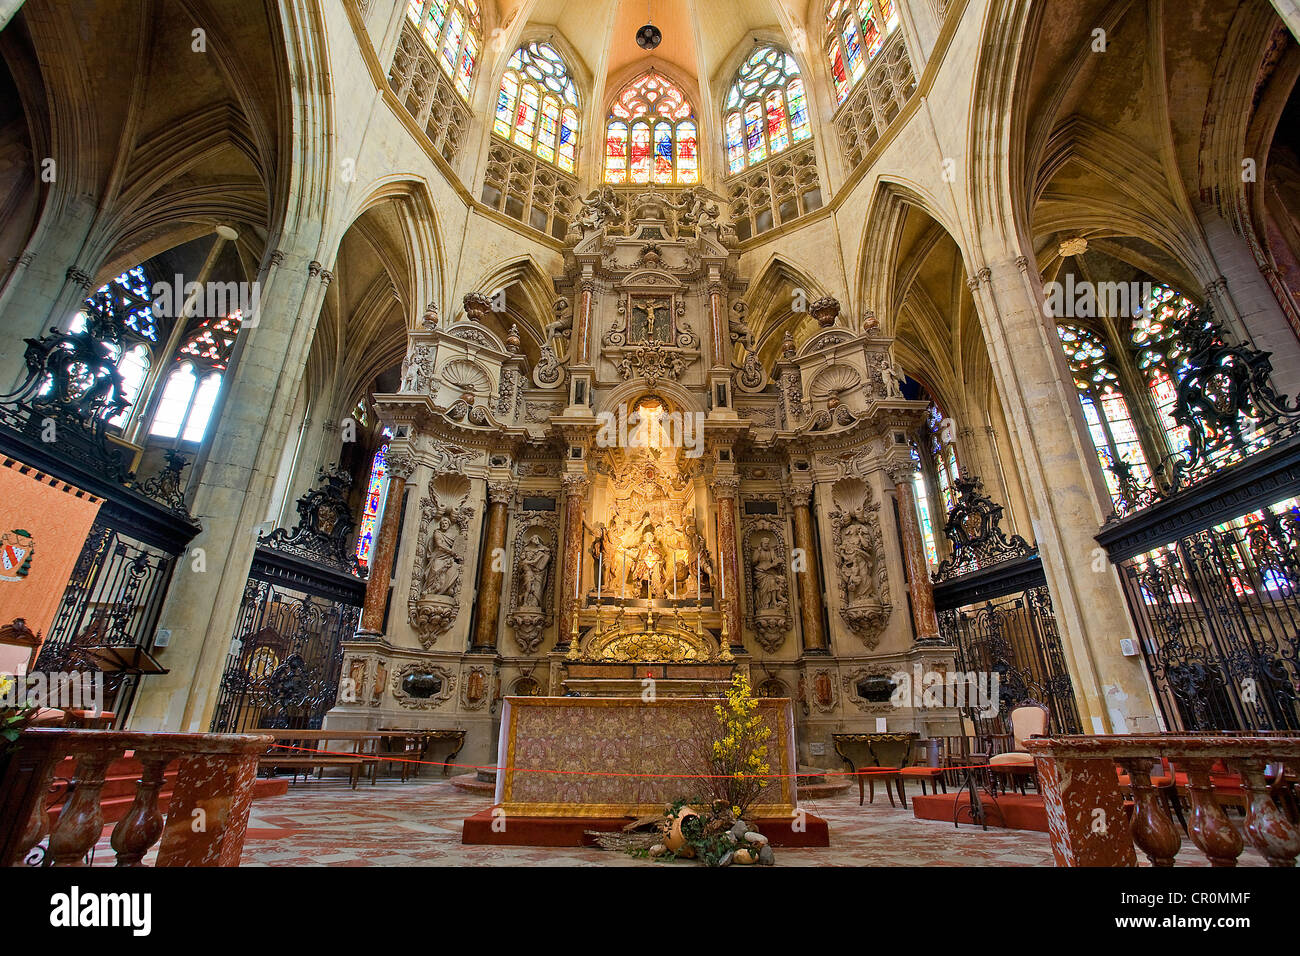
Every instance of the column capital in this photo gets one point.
(500, 492)
(901, 472)
(575, 484)
(724, 486)
(799, 493)
(401, 464)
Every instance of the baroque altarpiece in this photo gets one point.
(647, 498)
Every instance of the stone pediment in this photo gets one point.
(651, 278)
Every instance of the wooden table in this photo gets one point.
(887, 741)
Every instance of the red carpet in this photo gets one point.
(570, 831)
(1013, 811)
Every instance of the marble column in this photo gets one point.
(400, 466)
(582, 322)
(724, 491)
(491, 569)
(575, 491)
(808, 576)
(924, 622)
(718, 330)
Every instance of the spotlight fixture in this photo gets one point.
(648, 37)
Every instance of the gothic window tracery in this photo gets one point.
(766, 110)
(537, 106)
(651, 135)
(453, 31)
(855, 32)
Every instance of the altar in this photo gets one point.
(568, 765)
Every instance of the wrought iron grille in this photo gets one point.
(285, 659)
(1218, 616)
(113, 597)
(1015, 637)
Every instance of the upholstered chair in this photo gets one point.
(1030, 719)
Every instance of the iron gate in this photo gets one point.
(1015, 637)
(285, 659)
(994, 606)
(1218, 617)
(301, 602)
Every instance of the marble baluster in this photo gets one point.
(1154, 833)
(491, 571)
(1211, 830)
(924, 621)
(140, 829)
(81, 820)
(575, 490)
(400, 467)
(809, 578)
(1268, 828)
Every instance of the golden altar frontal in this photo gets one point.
(617, 756)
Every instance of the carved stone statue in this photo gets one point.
(768, 577)
(891, 378)
(441, 561)
(739, 327)
(533, 562)
(563, 324)
(857, 571)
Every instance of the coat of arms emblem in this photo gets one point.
(16, 550)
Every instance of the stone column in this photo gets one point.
(924, 622)
(1066, 492)
(809, 577)
(725, 489)
(575, 491)
(491, 568)
(400, 466)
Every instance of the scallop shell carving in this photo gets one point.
(462, 375)
(835, 380)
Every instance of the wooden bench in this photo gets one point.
(318, 762)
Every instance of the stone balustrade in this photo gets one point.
(1084, 796)
(206, 817)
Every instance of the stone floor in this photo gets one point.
(418, 823)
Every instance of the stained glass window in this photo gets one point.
(943, 452)
(767, 109)
(855, 32)
(374, 506)
(453, 31)
(651, 135)
(923, 509)
(1105, 408)
(537, 105)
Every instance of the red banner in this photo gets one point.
(43, 524)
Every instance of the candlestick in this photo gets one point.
(600, 577)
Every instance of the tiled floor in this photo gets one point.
(418, 823)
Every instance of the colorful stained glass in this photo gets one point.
(526, 116)
(568, 139)
(767, 99)
(657, 149)
(688, 169)
(506, 97)
(735, 144)
(537, 120)
(778, 136)
(616, 153)
(798, 103)
(371, 514)
(548, 129)
(855, 34)
(455, 46)
(640, 164)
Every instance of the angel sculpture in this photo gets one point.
(697, 207)
(563, 323)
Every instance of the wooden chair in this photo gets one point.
(918, 769)
(1030, 719)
